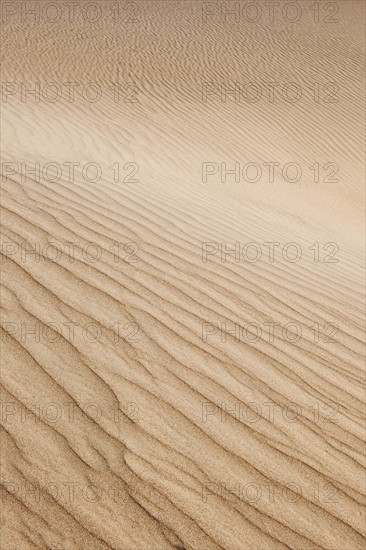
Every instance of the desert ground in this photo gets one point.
(182, 275)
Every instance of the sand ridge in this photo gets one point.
(182, 348)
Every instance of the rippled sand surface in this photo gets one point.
(183, 276)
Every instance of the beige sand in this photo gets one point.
(130, 419)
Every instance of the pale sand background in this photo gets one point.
(160, 456)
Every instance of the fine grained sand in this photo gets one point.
(130, 420)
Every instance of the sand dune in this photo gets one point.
(183, 347)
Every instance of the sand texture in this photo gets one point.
(183, 347)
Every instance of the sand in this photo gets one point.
(183, 276)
